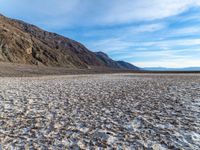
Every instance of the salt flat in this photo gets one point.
(112, 111)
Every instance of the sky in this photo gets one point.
(146, 33)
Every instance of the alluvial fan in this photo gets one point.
(121, 111)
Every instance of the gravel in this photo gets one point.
(111, 111)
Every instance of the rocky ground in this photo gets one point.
(23, 70)
(118, 111)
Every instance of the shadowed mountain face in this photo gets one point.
(27, 44)
(107, 61)
(126, 65)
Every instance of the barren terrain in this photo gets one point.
(113, 111)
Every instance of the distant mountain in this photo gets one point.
(106, 60)
(125, 65)
(24, 43)
(192, 69)
(172, 69)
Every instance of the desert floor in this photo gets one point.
(112, 111)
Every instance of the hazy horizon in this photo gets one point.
(145, 33)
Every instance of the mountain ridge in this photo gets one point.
(25, 43)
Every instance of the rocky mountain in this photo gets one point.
(24, 43)
(106, 60)
(126, 65)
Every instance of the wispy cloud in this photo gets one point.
(172, 43)
(140, 10)
(110, 45)
(89, 12)
(170, 63)
(185, 31)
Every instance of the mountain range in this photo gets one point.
(24, 43)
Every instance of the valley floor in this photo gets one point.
(22, 70)
(122, 111)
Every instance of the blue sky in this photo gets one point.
(147, 33)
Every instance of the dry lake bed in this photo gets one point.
(105, 111)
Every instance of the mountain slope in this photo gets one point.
(126, 65)
(27, 44)
(106, 60)
(114, 64)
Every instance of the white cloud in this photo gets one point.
(120, 44)
(144, 28)
(190, 30)
(139, 10)
(170, 43)
(89, 12)
(118, 37)
(124, 32)
(110, 45)
(169, 53)
(170, 63)
(148, 54)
